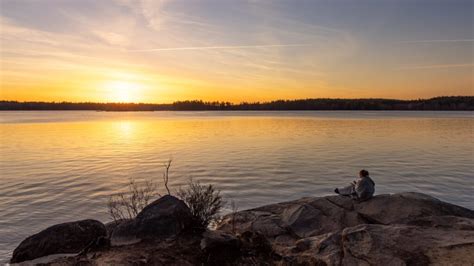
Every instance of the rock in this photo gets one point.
(69, 237)
(182, 250)
(215, 239)
(302, 219)
(386, 245)
(110, 226)
(165, 217)
(404, 244)
(448, 222)
(324, 249)
(336, 230)
(314, 216)
(100, 243)
(124, 233)
(256, 247)
(398, 229)
(219, 247)
(408, 206)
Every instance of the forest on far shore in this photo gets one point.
(446, 103)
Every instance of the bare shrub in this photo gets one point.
(127, 205)
(204, 201)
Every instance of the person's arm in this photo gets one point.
(346, 191)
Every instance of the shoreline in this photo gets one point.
(441, 103)
(231, 111)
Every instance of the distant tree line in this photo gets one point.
(448, 103)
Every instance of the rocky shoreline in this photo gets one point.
(398, 229)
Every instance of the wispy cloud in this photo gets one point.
(220, 47)
(436, 66)
(216, 50)
(438, 41)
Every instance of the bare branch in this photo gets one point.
(127, 205)
(167, 166)
(234, 209)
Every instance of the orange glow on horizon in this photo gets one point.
(151, 58)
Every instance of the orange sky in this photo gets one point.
(163, 51)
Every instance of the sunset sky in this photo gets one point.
(162, 51)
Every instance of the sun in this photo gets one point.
(123, 91)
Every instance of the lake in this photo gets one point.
(63, 166)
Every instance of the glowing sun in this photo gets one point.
(123, 91)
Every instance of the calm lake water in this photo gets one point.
(62, 166)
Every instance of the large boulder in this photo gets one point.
(165, 217)
(69, 237)
(331, 230)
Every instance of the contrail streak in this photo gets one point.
(219, 47)
(437, 66)
(430, 41)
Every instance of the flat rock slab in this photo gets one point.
(397, 229)
(315, 216)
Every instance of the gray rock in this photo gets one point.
(165, 217)
(302, 219)
(448, 222)
(69, 237)
(403, 207)
(398, 229)
(314, 216)
(324, 249)
(404, 244)
(386, 245)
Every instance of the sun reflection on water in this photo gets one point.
(125, 128)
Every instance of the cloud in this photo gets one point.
(436, 66)
(112, 38)
(220, 47)
(439, 41)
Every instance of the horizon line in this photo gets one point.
(233, 103)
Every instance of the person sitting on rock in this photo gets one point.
(362, 188)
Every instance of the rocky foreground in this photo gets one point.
(398, 229)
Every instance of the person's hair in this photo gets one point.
(364, 173)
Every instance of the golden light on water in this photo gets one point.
(125, 128)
